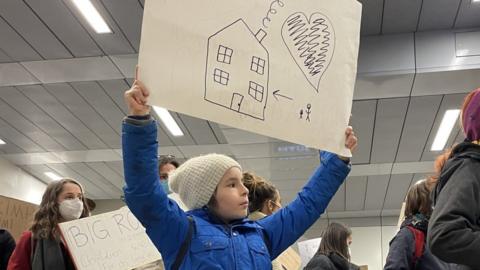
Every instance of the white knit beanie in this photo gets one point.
(196, 179)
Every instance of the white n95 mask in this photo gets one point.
(71, 209)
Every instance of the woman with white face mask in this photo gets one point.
(41, 248)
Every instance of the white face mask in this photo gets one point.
(71, 209)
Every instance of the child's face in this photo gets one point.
(231, 196)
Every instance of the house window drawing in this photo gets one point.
(221, 76)
(237, 70)
(256, 91)
(258, 65)
(224, 54)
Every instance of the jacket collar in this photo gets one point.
(339, 261)
(207, 215)
(417, 221)
(466, 148)
(256, 215)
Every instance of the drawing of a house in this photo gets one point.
(237, 70)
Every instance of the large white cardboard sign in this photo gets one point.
(307, 249)
(114, 240)
(281, 68)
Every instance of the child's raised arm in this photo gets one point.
(285, 226)
(165, 223)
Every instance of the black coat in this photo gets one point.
(454, 229)
(7, 245)
(330, 262)
(402, 249)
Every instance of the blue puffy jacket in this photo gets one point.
(215, 245)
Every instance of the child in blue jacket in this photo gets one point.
(215, 233)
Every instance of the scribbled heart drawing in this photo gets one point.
(311, 43)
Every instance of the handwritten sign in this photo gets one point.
(114, 240)
(401, 217)
(158, 265)
(256, 65)
(307, 249)
(16, 216)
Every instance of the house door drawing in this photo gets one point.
(236, 102)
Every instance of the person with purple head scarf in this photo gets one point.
(454, 228)
(471, 117)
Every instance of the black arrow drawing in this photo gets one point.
(276, 95)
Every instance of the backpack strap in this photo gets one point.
(267, 241)
(185, 245)
(419, 237)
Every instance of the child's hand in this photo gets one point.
(137, 98)
(350, 141)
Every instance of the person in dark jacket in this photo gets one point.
(454, 228)
(7, 245)
(403, 253)
(333, 253)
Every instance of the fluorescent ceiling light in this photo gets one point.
(92, 16)
(443, 133)
(2, 141)
(53, 176)
(168, 121)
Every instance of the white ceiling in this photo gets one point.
(61, 102)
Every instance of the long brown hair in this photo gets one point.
(334, 239)
(48, 216)
(438, 165)
(418, 200)
(259, 191)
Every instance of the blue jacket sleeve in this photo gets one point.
(400, 253)
(165, 223)
(285, 226)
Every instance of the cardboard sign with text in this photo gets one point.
(114, 240)
(401, 217)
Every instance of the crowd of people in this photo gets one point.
(231, 219)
